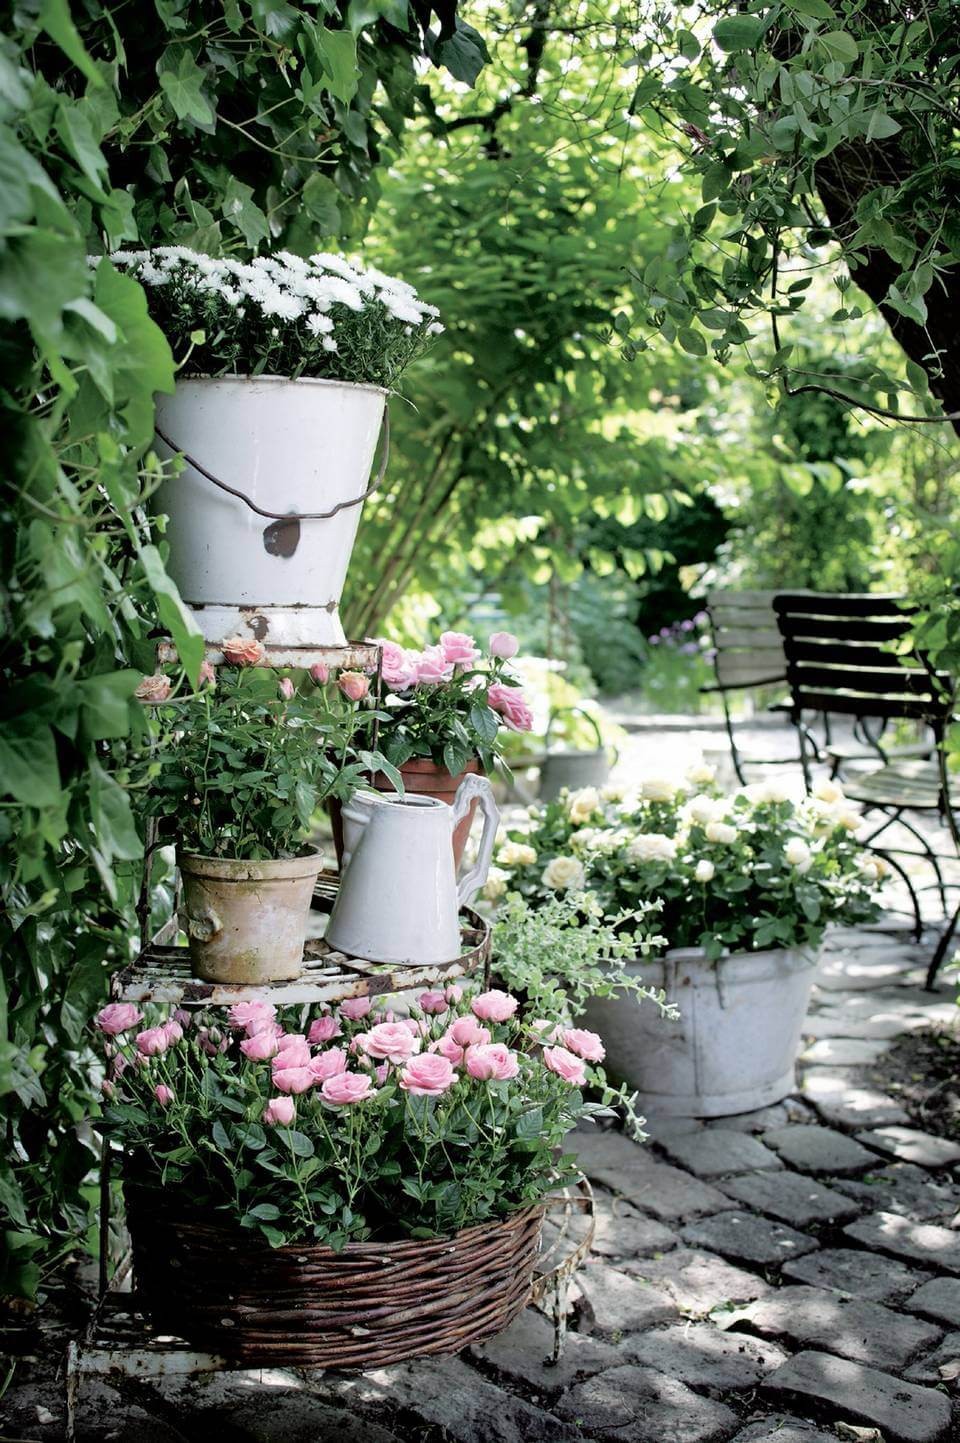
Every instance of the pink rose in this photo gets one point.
(324, 1029)
(295, 1054)
(495, 1006)
(547, 1029)
(320, 673)
(433, 667)
(491, 1059)
(428, 1075)
(504, 644)
(466, 1031)
(585, 1044)
(263, 1024)
(453, 993)
(510, 702)
(459, 648)
(181, 1015)
(353, 684)
(173, 1030)
(287, 689)
(293, 1079)
(354, 1008)
(565, 1065)
(280, 1110)
(347, 1087)
(390, 1041)
(329, 1063)
(163, 1094)
(208, 674)
(397, 669)
(382, 1072)
(259, 1047)
(118, 1017)
(243, 1012)
(154, 688)
(432, 1002)
(152, 1041)
(243, 651)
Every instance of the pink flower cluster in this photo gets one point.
(453, 655)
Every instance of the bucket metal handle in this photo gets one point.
(289, 516)
(587, 716)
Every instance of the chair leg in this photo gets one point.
(943, 945)
(914, 899)
(734, 750)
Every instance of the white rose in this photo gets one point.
(797, 853)
(495, 885)
(873, 868)
(703, 809)
(704, 871)
(721, 832)
(701, 775)
(768, 791)
(828, 792)
(583, 804)
(612, 794)
(847, 818)
(516, 854)
(659, 789)
(652, 847)
(564, 874)
(585, 837)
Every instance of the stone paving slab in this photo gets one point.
(939, 1299)
(667, 1193)
(792, 1109)
(620, 1230)
(779, 1429)
(843, 1099)
(700, 1355)
(818, 1317)
(748, 1238)
(904, 1412)
(903, 1188)
(943, 1365)
(521, 1352)
(616, 1302)
(835, 1051)
(716, 1153)
(791, 1198)
(925, 1243)
(907, 1144)
(698, 1281)
(819, 1150)
(638, 1405)
(872, 1276)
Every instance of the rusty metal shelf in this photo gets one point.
(351, 656)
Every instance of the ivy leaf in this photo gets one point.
(464, 54)
(183, 87)
(55, 19)
(75, 129)
(111, 818)
(28, 763)
(337, 50)
(737, 32)
(320, 200)
(105, 703)
(239, 207)
(184, 631)
(839, 45)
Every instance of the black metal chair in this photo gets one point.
(839, 661)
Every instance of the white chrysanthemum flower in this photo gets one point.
(329, 344)
(288, 308)
(435, 329)
(771, 792)
(319, 325)
(701, 774)
(702, 809)
(828, 791)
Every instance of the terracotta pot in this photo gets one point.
(422, 778)
(246, 921)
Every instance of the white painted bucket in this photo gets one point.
(735, 1046)
(293, 448)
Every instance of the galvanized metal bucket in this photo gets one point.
(264, 514)
(735, 1045)
(565, 767)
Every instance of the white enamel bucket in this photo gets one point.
(734, 1048)
(291, 449)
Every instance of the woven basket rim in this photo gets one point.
(197, 1221)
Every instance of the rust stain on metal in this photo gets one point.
(281, 538)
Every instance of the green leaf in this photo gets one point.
(839, 45)
(338, 55)
(321, 202)
(265, 1212)
(692, 341)
(56, 21)
(464, 54)
(239, 207)
(737, 32)
(105, 703)
(76, 131)
(687, 44)
(184, 631)
(299, 1143)
(112, 821)
(812, 9)
(221, 1137)
(183, 88)
(28, 762)
(716, 179)
(881, 125)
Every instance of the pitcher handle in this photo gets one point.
(476, 788)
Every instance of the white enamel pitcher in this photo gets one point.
(399, 898)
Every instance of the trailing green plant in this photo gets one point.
(281, 315)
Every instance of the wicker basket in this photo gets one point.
(228, 1292)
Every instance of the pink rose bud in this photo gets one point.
(347, 1087)
(510, 702)
(163, 1094)
(453, 993)
(243, 1012)
(432, 1002)
(390, 1041)
(280, 1110)
(263, 1024)
(324, 1029)
(382, 1072)
(243, 651)
(173, 1030)
(208, 674)
(118, 1017)
(585, 1044)
(428, 1075)
(154, 688)
(320, 673)
(152, 1041)
(260, 1047)
(293, 1079)
(466, 1031)
(329, 1063)
(491, 1060)
(504, 645)
(565, 1065)
(181, 1015)
(107, 1089)
(287, 689)
(458, 648)
(354, 1008)
(354, 685)
(494, 1006)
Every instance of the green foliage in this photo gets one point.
(822, 135)
(212, 126)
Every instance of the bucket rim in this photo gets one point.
(246, 380)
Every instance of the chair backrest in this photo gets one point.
(748, 648)
(838, 659)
